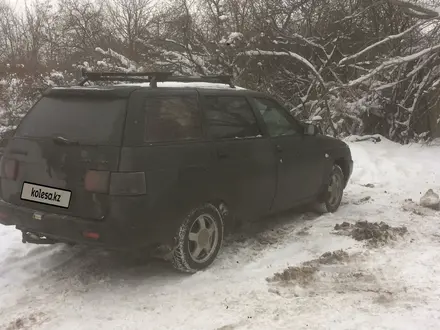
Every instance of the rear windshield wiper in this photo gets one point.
(58, 139)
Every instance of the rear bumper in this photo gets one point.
(70, 229)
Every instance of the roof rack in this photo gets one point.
(152, 77)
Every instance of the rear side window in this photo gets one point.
(172, 118)
(81, 119)
(230, 117)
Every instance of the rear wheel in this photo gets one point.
(332, 196)
(199, 239)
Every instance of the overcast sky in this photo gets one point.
(17, 3)
(20, 4)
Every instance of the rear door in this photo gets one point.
(299, 157)
(60, 157)
(245, 171)
(164, 139)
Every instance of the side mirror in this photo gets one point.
(311, 130)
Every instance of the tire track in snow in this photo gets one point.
(77, 271)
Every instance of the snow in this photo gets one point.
(236, 35)
(385, 40)
(4, 129)
(232, 38)
(385, 86)
(168, 84)
(101, 63)
(100, 88)
(309, 42)
(431, 200)
(296, 56)
(419, 93)
(50, 82)
(188, 59)
(175, 42)
(393, 62)
(129, 66)
(395, 286)
(171, 84)
(57, 75)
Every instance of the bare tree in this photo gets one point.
(363, 66)
(129, 21)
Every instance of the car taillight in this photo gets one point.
(97, 181)
(91, 235)
(128, 183)
(9, 168)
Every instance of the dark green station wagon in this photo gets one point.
(162, 163)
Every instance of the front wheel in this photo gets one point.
(199, 239)
(332, 196)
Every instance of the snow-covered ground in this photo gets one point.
(390, 286)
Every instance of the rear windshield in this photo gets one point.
(85, 120)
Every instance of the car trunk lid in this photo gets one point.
(61, 156)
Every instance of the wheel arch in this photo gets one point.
(225, 210)
(345, 167)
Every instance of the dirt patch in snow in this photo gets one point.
(301, 275)
(333, 272)
(250, 240)
(410, 206)
(232, 326)
(305, 231)
(332, 258)
(363, 200)
(305, 274)
(375, 234)
(29, 322)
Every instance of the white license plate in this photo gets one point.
(46, 195)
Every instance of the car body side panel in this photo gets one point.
(177, 178)
(300, 162)
(245, 176)
(300, 167)
(339, 153)
(178, 174)
(245, 171)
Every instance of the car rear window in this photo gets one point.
(92, 120)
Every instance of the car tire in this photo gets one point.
(331, 198)
(199, 239)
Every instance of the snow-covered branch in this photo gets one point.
(381, 42)
(421, 65)
(359, 13)
(307, 41)
(288, 54)
(419, 92)
(392, 62)
(175, 43)
(129, 64)
(415, 10)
